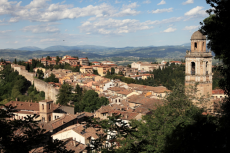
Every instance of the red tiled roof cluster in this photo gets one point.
(218, 91)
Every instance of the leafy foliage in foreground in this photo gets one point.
(25, 135)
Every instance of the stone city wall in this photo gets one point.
(50, 91)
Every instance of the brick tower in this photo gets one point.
(45, 110)
(198, 66)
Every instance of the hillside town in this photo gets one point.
(130, 101)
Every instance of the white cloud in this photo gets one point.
(48, 40)
(116, 1)
(113, 26)
(188, 2)
(197, 11)
(132, 5)
(162, 10)
(170, 29)
(162, 2)
(16, 42)
(41, 29)
(191, 27)
(126, 10)
(6, 31)
(15, 19)
(42, 11)
(147, 2)
(38, 4)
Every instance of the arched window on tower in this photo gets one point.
(195, 46)
(206, 68)
(42, 106)
(203, 48)
(193, 68)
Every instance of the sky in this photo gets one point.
(112, 23)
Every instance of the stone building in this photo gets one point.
(86, 69)
(199, 65)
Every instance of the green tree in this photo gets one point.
(51, 78)
(15, 61)
(112, 71)
(95, 72)
(27, 66)
(216, 27)
(57, 59)
(65, 94)
(40, 74)
(108, 73)
(48, 58)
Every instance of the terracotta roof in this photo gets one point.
(95, 62)
(24, 105)
(28, 105)
(52, 61)
(124, 114)
(159, 89)
(124, 92)
(116, 88)
(78, 147)
(175, 62)
(86, 67)
(58, 122)
(79, 128)
(218, 91)
(142, 110)
(70, 59)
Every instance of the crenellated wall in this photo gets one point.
(50, 91)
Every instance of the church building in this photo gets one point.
(198, 64)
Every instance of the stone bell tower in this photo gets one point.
(198, 66)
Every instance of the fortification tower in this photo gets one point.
(198, 66)
(45, 110)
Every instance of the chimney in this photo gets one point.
(74, 142)
(126, 116)
(31, 100)
(16, 99)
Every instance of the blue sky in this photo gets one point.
(113, 23)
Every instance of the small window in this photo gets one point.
(42, 106)
(195, 45)
(49, 106)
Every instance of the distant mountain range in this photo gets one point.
(91, 51)
(79, 47)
